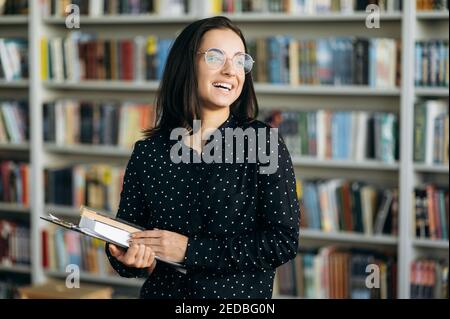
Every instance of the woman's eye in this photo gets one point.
(240, 62)
(214, 58)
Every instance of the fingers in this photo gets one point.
(116, 251)
(130, 256)
(149, 257)
(139, 263)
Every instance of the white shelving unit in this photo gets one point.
(407, 25)
(428, 25)
(15, 26)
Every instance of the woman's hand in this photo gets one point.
(166, 244)
(137, 255)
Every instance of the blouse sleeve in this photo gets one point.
(131, 209)
(275, 241)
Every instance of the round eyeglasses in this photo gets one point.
(215, 59)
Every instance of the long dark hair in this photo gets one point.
(177, 101)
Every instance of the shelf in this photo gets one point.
(432, 91)
(125, 19)
(13, 207)
(347, 237)
(277, 296)
(350, 90)
(97, 278)
(19, 269)
(23, 147)
(262, 88)
(94, 85)
(429, 243)
(13, 19)
(426, 168)
(16, 84)
(92, 150)
(326, 17)
(432, 15)
(366, 165)
(69, 210)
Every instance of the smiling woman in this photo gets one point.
(230, 225)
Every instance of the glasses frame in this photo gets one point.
(227, 58)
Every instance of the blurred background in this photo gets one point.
(357, 88)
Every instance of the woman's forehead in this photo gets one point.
(226, 40)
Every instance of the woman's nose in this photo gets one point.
(229, 68)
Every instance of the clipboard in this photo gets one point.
(85, 231)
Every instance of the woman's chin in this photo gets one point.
(221, 103)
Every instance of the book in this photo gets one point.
(110, 230)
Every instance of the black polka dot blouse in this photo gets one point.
(241, 224)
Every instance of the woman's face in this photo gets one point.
(211, 82)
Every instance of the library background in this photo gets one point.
(364, 112)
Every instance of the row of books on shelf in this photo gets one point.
(181, 7)
(14, 127)
(97, 186)
(14, 243)
(431, 132)
(431, 212)
(13, 59)
(280, 59)
(429, 279)
(297, 6)
(337, 273)
(431, 67)
(70, 122)
(95, 8)
(215, 7)
(343, 135)
(14, 182)
(432, 5)
(328, 61)
(61, 248)
(82, 56)
(9, 7)
(341, 205)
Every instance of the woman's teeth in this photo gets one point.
(224, 86)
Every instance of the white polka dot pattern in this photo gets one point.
(241, 224)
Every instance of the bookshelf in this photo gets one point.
(428, 25)
(408, 25)
(14, 26)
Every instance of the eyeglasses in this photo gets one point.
(215, 59)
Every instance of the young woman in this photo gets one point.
(228, 223)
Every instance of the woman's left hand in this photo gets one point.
(166, 244)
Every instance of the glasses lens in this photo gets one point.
(214, 58)
(244, 62)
